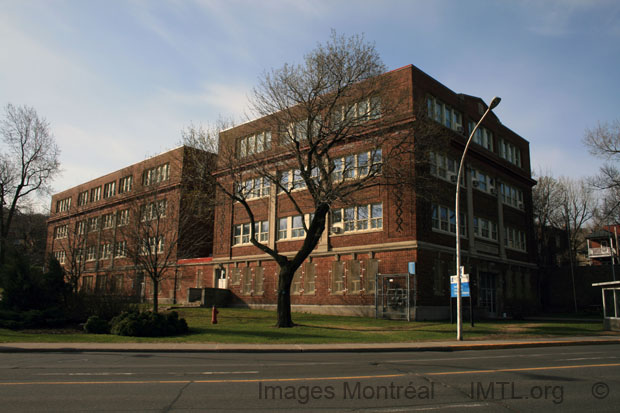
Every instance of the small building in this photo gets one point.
(611, 304)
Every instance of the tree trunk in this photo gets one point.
(285, 280)
(155, 294)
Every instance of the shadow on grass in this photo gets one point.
(275, 334)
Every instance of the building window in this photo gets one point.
(156, 175)
(153, 210)
(444, 114)
(261, 229)
(116, 283)
(483, 136)
(252, 144)
(235, 276)
(95, 194)
(444, 220)
(125, 184)
(153, 245)
(358, 112)
(123, 217)
(60, 256)
(484, 228)
(482, 181)
(515, 239)
(83, 198)
(109, 189)
(445, 168)
(91, 253)
(510, 152)
(357, 165)
(241, 232)
(93, 224)
(121, 249)
(108, 221)
(61, 231)
(511, 196)
(63, 205)
(106, 251)
(254, 188)
(357, 218)
(293, 227)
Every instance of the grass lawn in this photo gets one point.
(256, 326)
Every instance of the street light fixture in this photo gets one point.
(459, 313)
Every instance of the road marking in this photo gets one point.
(442, 407)
(85, 374)
(293, 379)
(229, 372)
(446, 373)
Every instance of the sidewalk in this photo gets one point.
(301, 348)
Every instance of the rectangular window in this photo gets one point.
(60, 256)
(80, 227)
(511, 196)
(106, 251)
(283, 228)
(125, 184)
(93, 224)
(261, 229)
(156, 175)
(444, 114)
(83, 198)
(63, 205)
(515, 239)
(95, 194)
(252, 144)
(121, 249)
(61, 231)
(109, 189)
(123, 217)
(358, 218)
(484, 228)
(297, 227)
(510, 152)
(91, 253)
(108, 221)
(444, 219)
(87, 283)
(154, 210)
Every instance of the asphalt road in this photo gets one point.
(567, 379)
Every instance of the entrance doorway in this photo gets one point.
(487, 292)
(220, 278)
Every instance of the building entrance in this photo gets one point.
(488, 292)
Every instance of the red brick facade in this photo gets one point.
(502, 272)
(89, 228)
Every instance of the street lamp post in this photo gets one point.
(459, 314)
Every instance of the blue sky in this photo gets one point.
(118, 80)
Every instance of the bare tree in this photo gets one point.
(547, 200)
(576, 206)
(28, 162)
(159, 230)
(337, 97)
(73, 247)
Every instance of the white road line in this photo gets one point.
(229, 372)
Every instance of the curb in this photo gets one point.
(299, 348)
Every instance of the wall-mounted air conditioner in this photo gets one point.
(475, 183)
(337, 228)
(453, 178)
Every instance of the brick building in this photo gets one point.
(149, 207)
(390, 225)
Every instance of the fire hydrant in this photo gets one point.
(214, 315)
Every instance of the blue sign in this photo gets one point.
(412, 268)
(464, 289)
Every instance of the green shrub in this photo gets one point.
(96, 325)
(148, 324)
